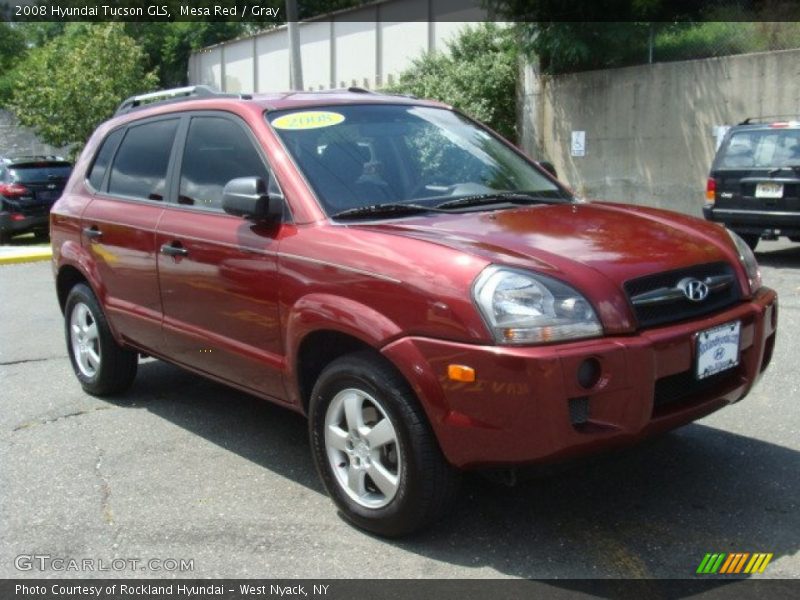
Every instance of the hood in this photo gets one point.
(619, 241)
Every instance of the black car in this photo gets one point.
(29, 185)
(754, 185)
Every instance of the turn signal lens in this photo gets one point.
(461, 373)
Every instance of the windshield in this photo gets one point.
(761, 149)
(365, 155)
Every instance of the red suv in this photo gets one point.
(430, 298)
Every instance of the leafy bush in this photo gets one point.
(478, 75)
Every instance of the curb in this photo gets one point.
(25, 256)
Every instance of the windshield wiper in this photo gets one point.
(388, 208)
(497, 197)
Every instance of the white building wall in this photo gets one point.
(367, 47)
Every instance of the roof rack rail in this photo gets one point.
(766, 118)
(174, 95)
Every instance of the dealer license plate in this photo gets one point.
(769, 190)
(718, 349)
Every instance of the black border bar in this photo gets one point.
(272, 12)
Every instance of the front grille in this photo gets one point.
(680, 309)
(683, 388)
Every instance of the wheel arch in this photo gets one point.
(75, 265)
(321, 328)
(67, 278)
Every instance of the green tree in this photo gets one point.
(478, 75)
(75, 81)
(12, 53)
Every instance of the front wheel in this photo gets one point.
(374, 449)
(102, 366)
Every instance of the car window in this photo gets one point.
(40, 172)
(140, 167)
(103, 158)
(361, 155)
(761, 148)
(217, 150)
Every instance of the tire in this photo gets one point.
(415, 485)
(101, 365)
(5, 237)
(41, 234)
(751, 239)
(794, 238)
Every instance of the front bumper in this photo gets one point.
(527, 406)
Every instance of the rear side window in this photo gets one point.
(98, 171)
(217, 150)
(140, 167)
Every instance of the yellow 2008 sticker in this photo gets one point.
(308, 119)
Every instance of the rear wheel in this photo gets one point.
(795, 239)
(102, 366)
(374, 449)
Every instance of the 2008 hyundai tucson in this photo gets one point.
(432, 299)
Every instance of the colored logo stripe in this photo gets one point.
(758, 563)
(729, 564)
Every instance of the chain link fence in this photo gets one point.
(568, 47)
(686, 41)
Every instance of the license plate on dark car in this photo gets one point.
(769, 190)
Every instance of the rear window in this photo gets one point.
(40, 172)
(761, 149)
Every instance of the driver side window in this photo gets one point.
(217, 150)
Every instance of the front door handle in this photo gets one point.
(174, 249)
(93, 233)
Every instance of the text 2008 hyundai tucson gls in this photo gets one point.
(432, 299)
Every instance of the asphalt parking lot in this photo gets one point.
(181, 468)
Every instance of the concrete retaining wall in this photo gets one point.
(650, 130)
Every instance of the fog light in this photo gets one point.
(589, 373)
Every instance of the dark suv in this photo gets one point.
(754, 185)
(29, 185)
(428, 296)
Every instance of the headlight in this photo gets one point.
(748, 260)
(522, 308)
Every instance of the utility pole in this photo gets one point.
(295, 62)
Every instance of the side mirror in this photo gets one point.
(548, 166)
(248, 197)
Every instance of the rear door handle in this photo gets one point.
(93, 233)
(174, 249)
